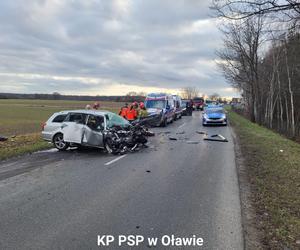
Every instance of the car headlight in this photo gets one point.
(205, 116)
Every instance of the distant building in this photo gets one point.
(236, 100)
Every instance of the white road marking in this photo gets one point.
(181, 125)
(114, 160)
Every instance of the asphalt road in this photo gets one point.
(63, 200)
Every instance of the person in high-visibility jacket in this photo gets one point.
(131, 113)
(96, 105)
(142, 111)
(136, 109)
(123, 111)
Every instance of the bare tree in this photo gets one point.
(214, 96)
(240, 59)
(243, 9)
(268, 78)
(132, 93)
(189, 92)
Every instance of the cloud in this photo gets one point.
(100, 47)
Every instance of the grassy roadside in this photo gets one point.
(22, 144)
(273, 166)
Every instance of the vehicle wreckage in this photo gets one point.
(100, 129)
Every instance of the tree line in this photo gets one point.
(261, 58)
(56, 96)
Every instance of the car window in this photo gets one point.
(76, 117)
(59, 118)
(95, 122)
(160, 104)
(115, 120)
(210, 111)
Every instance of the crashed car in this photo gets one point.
(83, 128)
(214, 116)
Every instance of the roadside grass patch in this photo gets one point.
(22, 144)
(273, 166)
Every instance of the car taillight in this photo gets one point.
(43, 126)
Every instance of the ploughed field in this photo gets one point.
(19, 117)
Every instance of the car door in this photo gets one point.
(93, 131)
(73, 127)
(170, 109)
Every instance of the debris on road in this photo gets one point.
(173, 138)
(192, 142)
(201, 132)
(3, 138)
(148, 171)
(216, 137)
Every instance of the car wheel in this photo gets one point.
(59, 142)
(109, 147)
(164, 122)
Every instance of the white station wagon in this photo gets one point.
(80, 128)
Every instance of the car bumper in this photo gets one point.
(155, 119)
(214, 121)
(46, 136)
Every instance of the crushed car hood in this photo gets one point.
(153, 111)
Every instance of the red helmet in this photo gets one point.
(142, 105)
(96, 105)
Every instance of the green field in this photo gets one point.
(20, 117)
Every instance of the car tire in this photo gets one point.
(59, 143)
(164, 123)
(109, 148)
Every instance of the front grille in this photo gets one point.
(214, 122)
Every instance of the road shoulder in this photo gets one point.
(271, 164)
(252, 236)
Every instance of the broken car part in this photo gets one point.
(216, 137)
(3, 138)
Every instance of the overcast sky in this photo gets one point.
(108, 47)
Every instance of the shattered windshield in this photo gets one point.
(115, 120)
